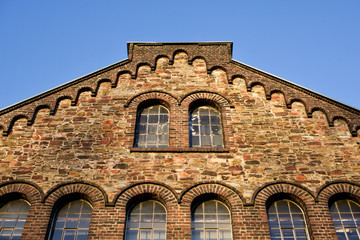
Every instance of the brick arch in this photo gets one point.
(348, 124)
(328, 190)
(159, 57)
(274, 191)
(172, 60)
(218, 98)
(320, 109)
(217, 67)
(261, 195)
(81, 91)
(38, 109)
(30, 191)
(228, 193)
(14, 120)
(198, 57)
(99, 83)
(57, 104)
(161, 191)
(2, 127)
(94, 193)
(148, 95)
(235, 76)
(142, 64)
(298, 100)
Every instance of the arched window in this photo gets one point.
(287, 221)
(72, 221)
(12, 219)
(205, 127)
(146, 221)
(152, 127)
(346, 217)
(211, 220)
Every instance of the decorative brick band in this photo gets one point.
(155, 94)
(214, 60)
(231, 195)
(31, 192)
(188, 98)
(338, 187)
(161, 191)
(261, 195)
(92, 191)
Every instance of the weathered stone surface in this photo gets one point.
(88, 139)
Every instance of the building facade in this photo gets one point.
(180, 141)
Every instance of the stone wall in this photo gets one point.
(82, 142)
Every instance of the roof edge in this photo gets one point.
(299, 87)
(130, 45)
(61, 87)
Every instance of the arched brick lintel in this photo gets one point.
(197, 58)
(229, 193)
(262, 194)
(91, 190)
(163, 191)
(32, 192)
(208, 95)
(156, 94)
(330, 189)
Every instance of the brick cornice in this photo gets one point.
(216, 54)
(62, 87)
(297, 87)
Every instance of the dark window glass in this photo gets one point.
(146, 221)
(152, 128)
(205, 127)
(286, 221)
(12, 219)
(72, 221)
(346, 217)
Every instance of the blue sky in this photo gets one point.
(315, 44)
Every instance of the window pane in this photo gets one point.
(12, 218)
(286, 221)
(204, 119)
(205, 127)
(225, 235)
(70, 234)
(195, 119)
(211, 220)
(197, 234)
(151, 124)
(211, 234)
(159, 235)
(215, 120)
(164, 118)
(143, 119)
(72, 221)
(195, 141)
(82, 235)
(217, 141)
(154, 110)
(131, 234)
(345, 217)
(57, 235)
(152, 216)
(145, 235)
(205, 141)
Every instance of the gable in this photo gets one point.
(192, 68)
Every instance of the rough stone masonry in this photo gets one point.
(280, 140)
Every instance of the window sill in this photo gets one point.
(180, 150)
